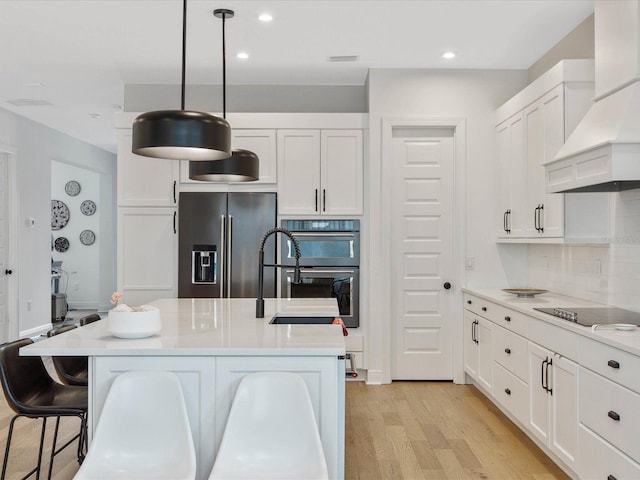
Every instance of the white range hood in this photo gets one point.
(603, 152)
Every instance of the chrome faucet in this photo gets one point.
(261, 265)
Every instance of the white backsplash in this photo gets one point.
(608, 274)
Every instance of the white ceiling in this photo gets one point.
(78, 55)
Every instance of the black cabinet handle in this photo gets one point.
(174, 192)
(507, 391)
(542, 371)
(541, 218)
(507, 351)
(8, 272)
(324, 200)
(473, 331)
(549, 389)
(469, 302)
(613, 415)
(316, 199)
(507, 318)
(611, 477)
(484, 309)
(504, 221)
(174, 222)
(509, 221)
(535, 218)
(446, 285)
(613, 364)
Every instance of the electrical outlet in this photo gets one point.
(470, 263)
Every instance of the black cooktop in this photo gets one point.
(593, 316)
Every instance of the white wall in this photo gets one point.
(608, 274)
(36, 146)
(470, 94)
(80, 262)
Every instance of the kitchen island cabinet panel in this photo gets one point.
(478, 354)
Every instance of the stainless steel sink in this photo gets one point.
(277, 320)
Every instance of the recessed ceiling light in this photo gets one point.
(243, 55)
(449, 55)
(265, 17)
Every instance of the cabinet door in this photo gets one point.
(533, 117)
(470, 347)
(341, 172)
(147, 254)
(540, 403)
(564, 400)
(260, 142)
(511, 178)
(145, 181)
(485, 353)
(298, 172)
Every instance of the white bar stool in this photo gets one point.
(143, 431)
(271, 432)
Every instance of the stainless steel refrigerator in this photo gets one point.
(219, 239)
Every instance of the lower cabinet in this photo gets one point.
(553, 395)
(478, 351)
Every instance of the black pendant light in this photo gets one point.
(181, 134)
(243, 165)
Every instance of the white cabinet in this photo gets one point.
(145, 181)
(260, 142)
(532, 126)
(478, 351)
(320, 172)
(553, 412)
(147, 253)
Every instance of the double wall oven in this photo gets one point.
(329, 263)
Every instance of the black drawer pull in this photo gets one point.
(484, 309)
(611, 477)
(613, 364)
(613, 415)
(507, 391)
(507, 318)
(469, 302)
(507, 351)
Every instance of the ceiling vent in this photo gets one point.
(27, 102)
(343, 58)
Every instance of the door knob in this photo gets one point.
(447, 285)
(8, 272)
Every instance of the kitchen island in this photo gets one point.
(210, 344)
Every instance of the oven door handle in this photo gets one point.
(317, 270)
(322, 234)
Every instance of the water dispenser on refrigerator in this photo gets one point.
(204, 263)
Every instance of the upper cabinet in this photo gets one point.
(532, 127)
(145, 181)
(260, 142)
(320, 172)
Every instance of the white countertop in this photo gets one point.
(217, 327)
(624, 340)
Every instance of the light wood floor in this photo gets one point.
(406, 430)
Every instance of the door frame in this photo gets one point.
(12, 286)
(458, 124)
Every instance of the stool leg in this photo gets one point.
(44, 429)
(53, 447)
(6, 450)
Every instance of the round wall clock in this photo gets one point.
(61, 244)
(59, 215)
(88, 207)
(72, 188)
(87, 237)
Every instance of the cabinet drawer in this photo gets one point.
(510, 351)
(611, 411)
(559, 340)
(599, 459)
(480, 306)
(512, 393)
(511, 320)
(616, 365)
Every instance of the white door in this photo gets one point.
(484, 334)
(421, 233)
(4, 248)
(539, 384)
(564, 437)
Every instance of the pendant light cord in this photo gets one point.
(184, 50)
(224, 69)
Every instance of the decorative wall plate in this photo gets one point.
(59, 215)
(72, 188)
(88, 207)
(87, 237)
(61, 244)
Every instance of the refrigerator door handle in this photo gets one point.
(221, 255)
(229, 256)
